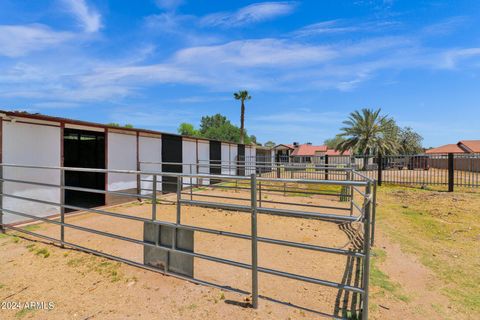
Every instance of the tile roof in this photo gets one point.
(308, 150)
(472, 146)
(448, 148)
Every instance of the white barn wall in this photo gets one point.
(233, 159)
(225, 158)
(150, 150)
(250, 154)
(31, 144)
(122, 155)
(189, 154)
(204, 159)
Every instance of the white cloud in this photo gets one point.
(453, 57)
(169, 4)
(20, 40)
(324, 27)
(253, 13)
(87, 17)
(260, 53)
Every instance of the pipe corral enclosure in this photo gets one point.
(206, 211)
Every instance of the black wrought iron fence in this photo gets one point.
(449, 170)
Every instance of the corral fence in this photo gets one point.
(172, 242)
(449, 170)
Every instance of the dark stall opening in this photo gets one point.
(171, 154)
(84, 149)
(241, 160)
(215, 160)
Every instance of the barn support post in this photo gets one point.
(379, 169)
(253, 188)
(367, 207)
(451, 172)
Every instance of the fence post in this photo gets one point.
(451, 172)
(379, 164)
(154, 198)
(253, 188)
(366, 250)
(2, 229)
(374, 211)
(179, 197)
(326, 166)
(191, 182)
(62, 207)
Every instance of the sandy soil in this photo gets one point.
(86, 287)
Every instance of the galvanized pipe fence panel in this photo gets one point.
(353, 185)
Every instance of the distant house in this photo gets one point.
(462, 147)
(303, 152)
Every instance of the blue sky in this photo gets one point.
(307, 64)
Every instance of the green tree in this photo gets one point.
(368, 132)
(334, 142)
(115, 124)
(409, 141)
(214, 121)
(242, 95)
(269, 144)
(187, 129)
(216, 127)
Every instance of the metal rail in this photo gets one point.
(254, 208)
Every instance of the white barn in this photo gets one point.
(39, 140)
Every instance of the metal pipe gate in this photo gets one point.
(356, 184)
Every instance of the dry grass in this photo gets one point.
(443, 230)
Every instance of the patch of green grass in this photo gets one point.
(106, 268)
(30, 247)
(3, 235)
(32, 227)
(353, 316)
(76, 262)
(2, 286)
(15, 239)
(381, 280)
(42, 252)
(22, 313)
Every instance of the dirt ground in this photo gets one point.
(98, 288)
(424, 265)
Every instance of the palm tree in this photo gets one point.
(368, 132)
(242, 95)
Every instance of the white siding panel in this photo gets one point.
(150, 150)
(122, 155)
(225, 158)
(189, 150)
(233, 159)
(204, 159)
(37, 145)
(250, 153)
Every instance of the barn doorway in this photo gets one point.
(171, 154)
(241, 160)
(215, 159)
(84, 149)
